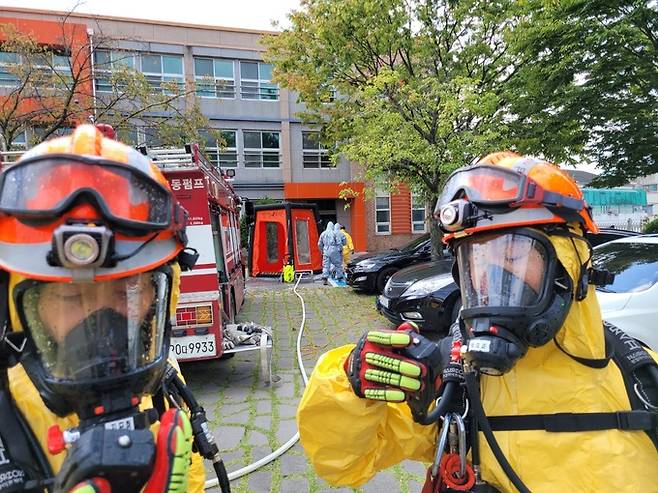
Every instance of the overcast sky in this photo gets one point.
(253, 14)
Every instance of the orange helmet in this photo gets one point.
(505, 190)
(86, 207)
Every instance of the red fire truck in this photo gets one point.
(212, 293)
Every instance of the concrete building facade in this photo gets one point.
(274, 154)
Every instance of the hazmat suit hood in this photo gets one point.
(337, 227)
(330, 227)
(581, 334)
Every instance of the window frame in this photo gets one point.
(164, 76)
(257, 88)
(215, 153)
(320, 154)
(415, 197)
(106, 73)
(260, 152)
(380, 194)
(216, 80)
(63, 71)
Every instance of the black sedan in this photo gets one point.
(425, 294)
(371, 272)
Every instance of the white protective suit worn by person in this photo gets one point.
(331, 248)
(566, 369)
(342, 241)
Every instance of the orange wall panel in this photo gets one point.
(401, 211)
(292, 191)
(70, 36)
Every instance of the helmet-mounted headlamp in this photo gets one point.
(457, 215)
(82, 246)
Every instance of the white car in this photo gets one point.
(631, 301)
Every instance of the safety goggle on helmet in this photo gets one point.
(512, 192)
(42, 188)
(87, 207)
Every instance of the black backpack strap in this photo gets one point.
(640, 375)
(23, 464)
(569, 422)
(639, 372)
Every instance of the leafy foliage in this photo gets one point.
(421, 85)
(602, 56)
(651, 226)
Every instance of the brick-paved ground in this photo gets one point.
(251, 420)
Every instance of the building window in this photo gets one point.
(162, 69)
(382, 213)
(20, 142)
(417, 215)
(108, 61)
(256, 81)
(225, 156)
(261, 149)
(314, 155)
(8, 69)
(48, 69)
(214, 78)
(159, 70)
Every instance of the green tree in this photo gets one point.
(601, 60)
(423, 86)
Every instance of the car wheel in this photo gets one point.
(383, 278)
(455, 310)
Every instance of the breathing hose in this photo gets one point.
(211, 483)
(478, 411)
(441, 406)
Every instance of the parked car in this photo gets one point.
(631, 301)
(370, 272)
(427, 294)
(608, 234)
(424, 293)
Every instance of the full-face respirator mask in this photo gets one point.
(515, 294)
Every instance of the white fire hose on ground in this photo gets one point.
(211, 483)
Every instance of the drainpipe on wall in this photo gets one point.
(90, 34)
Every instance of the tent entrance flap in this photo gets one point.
(282, 233)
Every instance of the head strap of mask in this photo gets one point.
(496, 337)
(588, 275)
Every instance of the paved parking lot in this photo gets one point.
(251, 420)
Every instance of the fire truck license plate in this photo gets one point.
(190, 347)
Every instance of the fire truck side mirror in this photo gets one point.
(230, 172)
(249, 211)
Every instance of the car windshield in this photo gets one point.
(635, 265)
(410, 247)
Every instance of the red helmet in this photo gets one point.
(505, 190)
(87, 206)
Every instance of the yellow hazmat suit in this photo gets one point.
(348, 247)
(40, 418)
(349, 439)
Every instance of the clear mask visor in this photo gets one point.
(86, 331)
(502, 270)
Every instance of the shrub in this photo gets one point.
(651, 226)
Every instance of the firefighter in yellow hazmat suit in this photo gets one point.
(551, 387)
(93, 240)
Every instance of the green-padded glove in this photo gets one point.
(377, 370)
